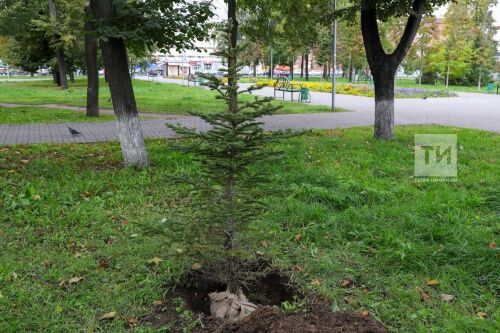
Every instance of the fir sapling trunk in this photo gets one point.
(233, 283)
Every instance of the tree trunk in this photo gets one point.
(302, 66)
(291, 68)
(55, 78)
(122, 93)
(421, 66)
(91, 46)
(231, 60)
(306, 60)
(384, 102)
(480, 78)
(448, 74)
(234, 284)
(254, 70)
(72, 76)
(61, 63)
(351, 67)
(384, 66)
(325, 71)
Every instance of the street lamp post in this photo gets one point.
(272, 64)
(334, 54)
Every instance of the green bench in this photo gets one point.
(284, 85)
(195, 80)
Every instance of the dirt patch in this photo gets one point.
(268, 319)
(187, 306)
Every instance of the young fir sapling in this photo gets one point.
(232, 156)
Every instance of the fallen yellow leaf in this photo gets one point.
(155, 261)
(156, 303)
(297, 237)
(75, 280)
(196, 266)
(433, 282)
(481, 315)
(109, 315)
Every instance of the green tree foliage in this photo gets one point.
(422, 47)
(454, 57)
(33, 36)
(484, 43)
(27, 47)
(350, 48)
(158, 24)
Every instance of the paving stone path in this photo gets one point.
(478, 111)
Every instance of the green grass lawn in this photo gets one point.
(31, 115)
(23, 77)
(410, 83)
(77, 231)
(150, 96)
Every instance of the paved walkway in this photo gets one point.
(480, 111)
(468, 110)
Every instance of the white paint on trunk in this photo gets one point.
(384, 118)
(132, 141)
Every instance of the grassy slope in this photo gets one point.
(30, 115)
(353, 200)
(151, 97)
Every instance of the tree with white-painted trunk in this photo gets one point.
(383, 65)
(122, 93)
(141, 26)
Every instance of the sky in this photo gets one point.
(221, 12)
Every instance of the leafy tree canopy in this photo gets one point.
(161, 24)
(387, 9)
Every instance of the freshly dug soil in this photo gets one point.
(267, 319)
(268, 289)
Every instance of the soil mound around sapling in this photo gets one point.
(186, 306)
(267, 319)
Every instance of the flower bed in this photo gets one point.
(361, 90)
(342, 89)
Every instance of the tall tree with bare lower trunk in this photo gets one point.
(122, 93)
(61, 62)
(91, 47)
(142, 26)
(382, 64)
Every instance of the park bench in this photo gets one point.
(195, 80)
(284, 85)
